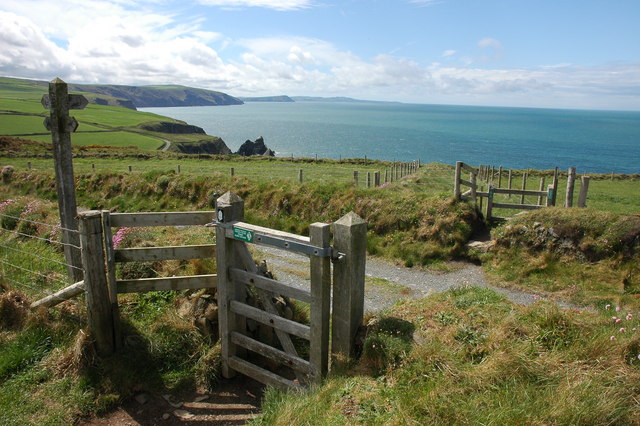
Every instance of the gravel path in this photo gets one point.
(386, 283)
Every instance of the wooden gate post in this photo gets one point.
(490, 203)
(61, 125)
(571, 179)
(320, 305)
(100, 315)
(584, 188)
(350, 239)
(229, 208)
(355, 178)
(456, 181)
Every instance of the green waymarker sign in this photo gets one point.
(242, 234)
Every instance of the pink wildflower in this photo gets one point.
(607, 307)
(618, 320)
(617, 308)
(536, 297)
(612, 338)
(629, 316)
(633, 329)
(622, 330)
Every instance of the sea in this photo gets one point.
(516, 138)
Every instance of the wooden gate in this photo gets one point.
(237, 271)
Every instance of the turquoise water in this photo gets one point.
(592, 141)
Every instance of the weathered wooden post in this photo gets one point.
(229, 208)
(571, 180)
(349, 239)
(584, 188)
(100, 315)
(550, 191)
(178, 169)
(368, 179)
(232, 171)
(473, 186)
(59, 102)
(510, 180)
(29, 165)
(490, 203)
(456, 180)
(130, 169)
(320, 306)
(386, 175)
(540, 197)
(555, 187)
(299, 175)
(376, 179)
(93, 167)
(525, 175)
(355, 178)
(500, 177)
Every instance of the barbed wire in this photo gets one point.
(41, 257)
(75, 231)
(41, 239)
(46, 277)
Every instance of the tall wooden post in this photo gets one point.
(490, 203)
(355, 178)
(368, 179)
(320, 305)
(584, 188)
(299, 175)
(456, 181)
(59, 102)
(350, 239)
(500, 177)
(524, 185)
(554, 195)
(541, 189)
(229, 208)
(99, 312)
(571, 179)
(473, 186)
(376, 179)
(510, 181)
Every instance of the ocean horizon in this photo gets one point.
(518, 138)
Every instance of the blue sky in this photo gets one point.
(542, 53)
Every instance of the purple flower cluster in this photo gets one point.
(6, 203)
(119, 237)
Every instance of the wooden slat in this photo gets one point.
(269, 285)
(271, 352)
(162, 219)
(469, 169)
(275, 321)
(466, 193)
(519, 192)
(149, 254)
(515, 206)
(60, 295)
(143, 285)
(267, 231)
(467, 183)
(482, 194)
(261, 375)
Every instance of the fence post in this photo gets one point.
(571, 180)
(584, 188)
(299, 175)
(541, 189)
(350, 239)
(355, 178)
(555, 187)
(178, 169)
(100, 316)
(368, 179)
(386, 175)
(61, 125)
(376, 179)
(232, 171)
(473, 186)
(510, 180)
(500, 177)
(490, 203)
(111, 276)
(456, 181)
(229, 208)
(320, 305)
(525, 175)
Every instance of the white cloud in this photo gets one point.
(280, 5)
(489, 42)
(448, 53)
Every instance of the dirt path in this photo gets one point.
(386, 283)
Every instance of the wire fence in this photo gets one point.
(31, 256)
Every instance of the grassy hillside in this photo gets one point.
(22, 115)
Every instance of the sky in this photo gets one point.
(529, 53)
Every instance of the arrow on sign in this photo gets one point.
(74, 101)
(71, 124)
